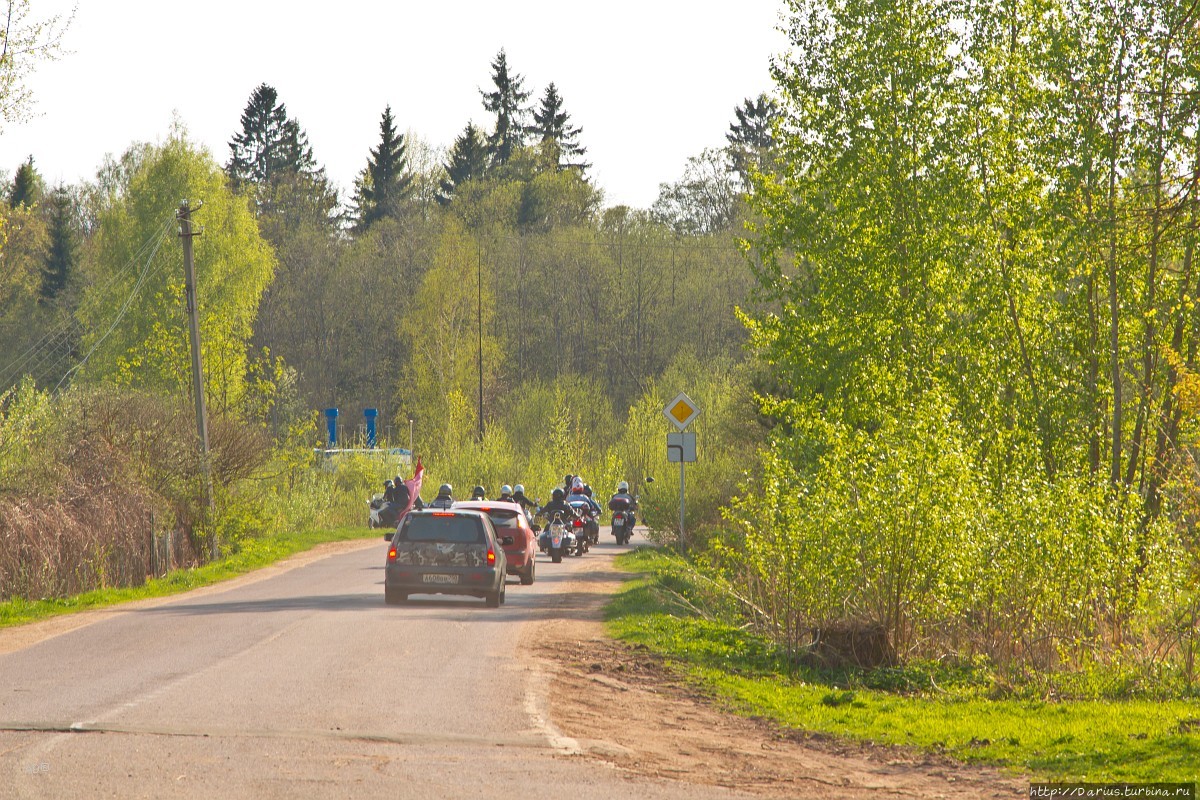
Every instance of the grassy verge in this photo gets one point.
(252, 554)
(1130, 740)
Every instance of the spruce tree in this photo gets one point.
(27, 186)
(507, 102)
(62, 254)
(272, 155)
(386, 181)
(551, 127)
(269, 143)
(751, 136)
(468, 161)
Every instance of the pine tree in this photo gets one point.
(551, 127)
(751, 137)
(62, 254)
(468, 160)
(507, 102)
(27, 186)
(270, 143)
(386, 181)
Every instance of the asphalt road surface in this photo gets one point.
(299, 681)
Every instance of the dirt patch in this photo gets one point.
(624, 707)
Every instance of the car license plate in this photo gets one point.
(440, 578)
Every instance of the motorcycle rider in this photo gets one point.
(479, 493)
(519, 497)
(558, 504)
(388, 491)
(624, 501)
(445, 497)
(578, 493)
(400, 492)
(506, 494)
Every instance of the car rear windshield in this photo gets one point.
(504, 519)
(429, 528)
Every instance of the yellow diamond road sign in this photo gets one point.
(681, 411)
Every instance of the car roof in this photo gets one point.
(455, 511)
(485, 505)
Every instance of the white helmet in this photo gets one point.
(519, 489)
(623, 486)
(506, 489)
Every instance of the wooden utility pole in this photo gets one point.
(189, 277)
(479, 324)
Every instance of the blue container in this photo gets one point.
(331, 415)
(370, 414)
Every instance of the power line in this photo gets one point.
(53, 347)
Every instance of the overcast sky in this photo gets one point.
(651, 82)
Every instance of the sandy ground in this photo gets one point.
(625, 708)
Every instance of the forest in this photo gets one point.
(937, 297)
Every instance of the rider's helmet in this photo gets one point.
(387, 484)
(519, 489)
(399, 479)
(557, 494)
(506, 490)
(478, 493)
(623, 486)
(577, 485)
(445, 490)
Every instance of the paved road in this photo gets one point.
(300, 683)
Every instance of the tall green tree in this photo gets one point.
(468, 161)
(272, 159)
(751, 135)
(385, 183)
(507, 101)
(27, 186)
(62, 255)
(134, 308)
(269, 143)
(552, 128)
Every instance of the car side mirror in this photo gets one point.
(388, 536)
(506, 540)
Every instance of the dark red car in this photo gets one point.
(509, 520)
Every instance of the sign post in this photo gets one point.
(681, 447)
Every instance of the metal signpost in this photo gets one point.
(681, 447)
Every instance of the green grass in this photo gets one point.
(251, 555)
(1104, 740)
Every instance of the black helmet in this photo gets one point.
(478, 492)
(387, 484)
(445, 489)
(557, 494)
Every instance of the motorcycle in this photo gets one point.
(557, 540)
(381, 513)
(581, 535)
(591, 524)
(622, 525)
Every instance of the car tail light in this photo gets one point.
(491, 557)
(577, 523)
(392, 553)
(443, 513)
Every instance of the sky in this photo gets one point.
(651, 82)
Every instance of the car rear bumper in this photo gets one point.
(412, 580)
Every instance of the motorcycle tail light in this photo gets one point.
(578, 523)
